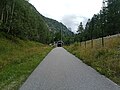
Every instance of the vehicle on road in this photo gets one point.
(59, 43)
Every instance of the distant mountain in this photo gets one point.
(59, 31)
(56, 27)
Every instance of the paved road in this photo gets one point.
(61, 70)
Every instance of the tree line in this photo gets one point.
(105, 23)
(20, 19)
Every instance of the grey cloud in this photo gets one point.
(73, 21)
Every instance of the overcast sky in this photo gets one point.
(69, 12)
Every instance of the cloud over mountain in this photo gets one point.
(73, 21)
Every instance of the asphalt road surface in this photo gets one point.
(60, 70)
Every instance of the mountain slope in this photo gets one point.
(56, 26)
(19, 18)
(59, 30)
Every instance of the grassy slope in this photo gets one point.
(105, 60)
(18, 59)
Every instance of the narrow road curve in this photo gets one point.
(60, 70)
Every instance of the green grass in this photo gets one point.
(18, 58)
(105, 60)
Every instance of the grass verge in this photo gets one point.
(18, 58)
(105, 60)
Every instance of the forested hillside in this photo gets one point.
(19, 23)
(20, 19)
(56, 26)
(59, 31)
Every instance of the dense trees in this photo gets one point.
(113, 16)
(105, 23)
(19, 18)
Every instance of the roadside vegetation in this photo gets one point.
(18, 58)
(105, 60)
